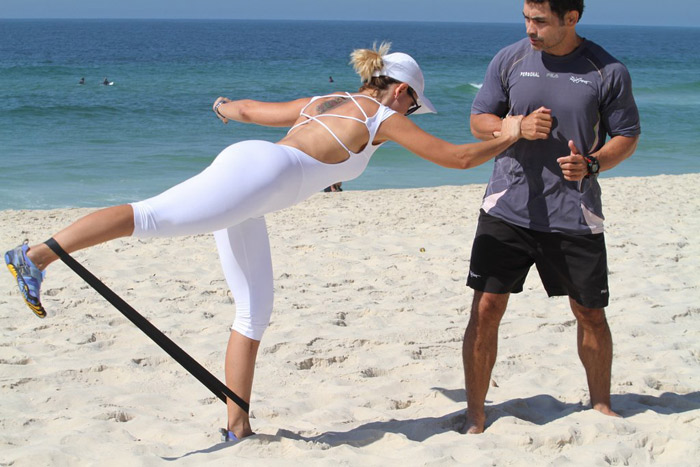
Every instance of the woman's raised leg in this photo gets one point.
(95, 228)
(27, 263)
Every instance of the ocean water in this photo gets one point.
(63, 144)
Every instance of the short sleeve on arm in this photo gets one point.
(492, 98)
(619, 111)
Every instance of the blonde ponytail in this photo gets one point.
(367, 61)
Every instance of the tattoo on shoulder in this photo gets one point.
(324, 107)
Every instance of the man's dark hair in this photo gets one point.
(561, 7)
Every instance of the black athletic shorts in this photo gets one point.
(573, 265)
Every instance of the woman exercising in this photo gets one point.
(331, 139)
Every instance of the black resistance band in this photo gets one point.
(219, 389)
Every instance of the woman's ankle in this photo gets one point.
(41, 255)
(240, 428)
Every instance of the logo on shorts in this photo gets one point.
(604, 292)
(473, 274)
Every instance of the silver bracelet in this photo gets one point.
(216, 109)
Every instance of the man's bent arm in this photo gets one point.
(616, 150)
(483, 126)
(574, 167)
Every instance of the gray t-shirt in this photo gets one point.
(590, 94)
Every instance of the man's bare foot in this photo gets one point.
(474, 429)
(473, 425)
(606, 410)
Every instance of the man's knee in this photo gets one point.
(488, 308)
(591, 317)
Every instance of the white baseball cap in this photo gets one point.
(402, 67)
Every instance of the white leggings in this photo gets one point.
(229, 198)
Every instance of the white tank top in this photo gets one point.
(317, 175)
(372, 123)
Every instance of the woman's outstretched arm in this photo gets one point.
(455, 156)
(279, 114)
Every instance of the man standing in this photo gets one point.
(542, 205)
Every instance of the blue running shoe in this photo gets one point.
(28, 277)
(228, 436)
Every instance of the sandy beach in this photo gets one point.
(362, 362)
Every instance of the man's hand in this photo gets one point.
(574, 166)
(537, 125)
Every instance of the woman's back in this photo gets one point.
(334, 127)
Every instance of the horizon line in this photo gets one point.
(94, 18)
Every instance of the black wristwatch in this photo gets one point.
(593, 165)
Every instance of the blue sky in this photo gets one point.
(626, 12)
